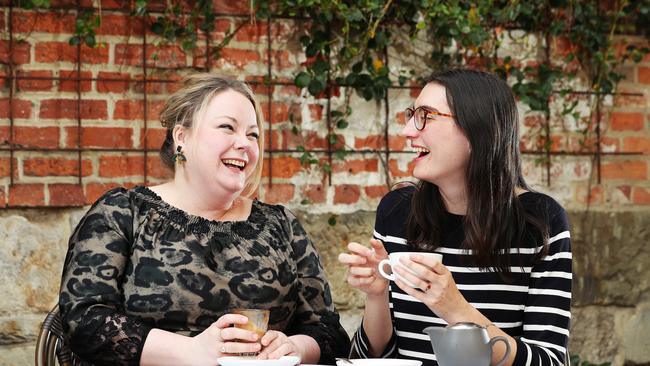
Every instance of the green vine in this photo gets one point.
(345, 44)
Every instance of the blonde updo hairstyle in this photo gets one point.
(186, 105)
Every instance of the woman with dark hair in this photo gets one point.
(152, 274)
(506, 252)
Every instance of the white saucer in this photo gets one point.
(247, 361)
(380, 362)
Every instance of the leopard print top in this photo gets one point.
(135, 263)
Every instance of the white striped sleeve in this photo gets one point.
(360, 347)
(547, 312)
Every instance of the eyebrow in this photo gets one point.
(427, 107)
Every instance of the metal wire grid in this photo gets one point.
(270, 82)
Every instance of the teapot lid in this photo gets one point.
(465, 325)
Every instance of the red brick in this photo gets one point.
(66, 195)
(153, 87)
(46, 137)
(593, 196)
(306, 139)
(21, 108)
(29, 84)
(20, 52)
(620, 121)
(121, 166)
(252, 32)
(162, 57)
(96, 190)
(5, 167)
(3, 196)
(315, 112)
(105, 86)
(47, 22)
(643, 75)
(238, 57)
(67, 108)
(133, 109)
(636, 144)
(637, 100)
(637, 170)
(222, 25)
(396, 172)
(43, 167)
(27, 195)
(355, 166)
(282, 166)
(279, 112)
(374, 192)
(64, 52)
(68, 82)
(396, 143)
(156, 169)
(121, 25)
(372, 142)
(282, 60)
(315, 193)
(278, 193)
(234, 7)
(4, 134)
(155, 137)
(608, 143)
(641, 196)
(400, 118)
(107, 137)
(3, 80)
(347, 193)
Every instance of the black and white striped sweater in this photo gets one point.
(533, 307)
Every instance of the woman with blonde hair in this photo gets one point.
(152, 273)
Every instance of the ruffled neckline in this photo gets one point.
(184, 218)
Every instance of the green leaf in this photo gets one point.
(316, 86)
(302, 79)
(75, 40)
(90, 40)
(332, 221)
(341, 124)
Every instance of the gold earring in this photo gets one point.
(179, 157)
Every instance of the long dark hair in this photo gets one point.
(485, 110)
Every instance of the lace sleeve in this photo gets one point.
(316, 315)
(90, 299)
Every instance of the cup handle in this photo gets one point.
(380, 267)
(504, 340)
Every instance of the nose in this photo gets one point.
(242, 142)
(409, 130)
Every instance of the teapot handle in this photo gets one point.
(504, 340)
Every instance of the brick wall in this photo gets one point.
(59, 150)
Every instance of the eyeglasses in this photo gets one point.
(422, 114)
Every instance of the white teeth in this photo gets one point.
(238, 163)
(420, 150)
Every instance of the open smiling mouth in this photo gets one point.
(421, 151)
(232, 163)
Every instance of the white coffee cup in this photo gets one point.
(393, 260)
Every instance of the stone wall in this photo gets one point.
(611, 306)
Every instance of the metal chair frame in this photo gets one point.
(51, 348)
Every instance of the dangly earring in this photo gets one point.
(179, 157)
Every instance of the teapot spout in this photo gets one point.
(433, 332)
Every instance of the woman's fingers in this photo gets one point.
(362, 271)
(241, 347)
(431, 262)
(232, 333)
(228, 319)
(378, 249)
(352, 259)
